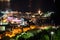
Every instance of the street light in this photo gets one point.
(52, 33)
(39, 12)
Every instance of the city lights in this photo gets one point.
(28, 20)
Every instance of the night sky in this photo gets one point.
(33, 5)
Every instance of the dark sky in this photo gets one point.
(30, 5)
(23, 5)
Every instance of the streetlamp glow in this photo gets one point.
(52, 32)
(39, 11)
